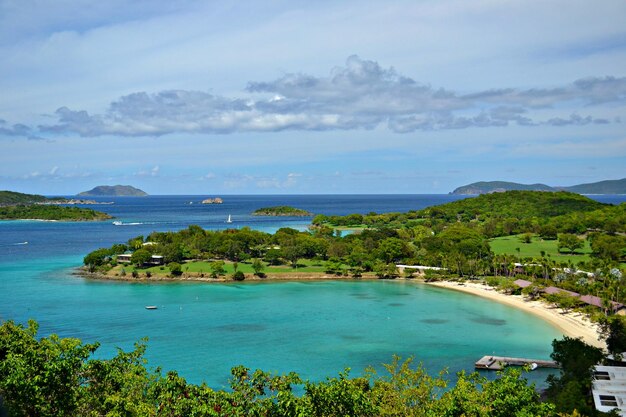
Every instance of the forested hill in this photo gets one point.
(486, 187)
(9, 198)
(114, 190)
(602, 187)
(513, 204)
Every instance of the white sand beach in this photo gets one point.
(572, 324)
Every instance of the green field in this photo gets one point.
(245, 267)
(509, 245)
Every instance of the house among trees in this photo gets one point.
(125, 258)
(615, 307)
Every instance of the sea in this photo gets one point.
(202, 330)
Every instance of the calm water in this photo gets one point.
(202, 330)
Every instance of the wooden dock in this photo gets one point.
(496, 363)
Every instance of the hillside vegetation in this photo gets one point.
(50, 212)
(486, 187)
(517, 204)
(281, 211)
(114, 190)
(9, 198)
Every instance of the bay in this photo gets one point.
(202, 330)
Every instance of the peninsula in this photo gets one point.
(113, 191)
(20, 206)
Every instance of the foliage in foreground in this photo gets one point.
(57, 377)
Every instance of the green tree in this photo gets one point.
(97, 258)
(258, 267)
(548, 232)
(217, 268)
(613, 330)
(175, 269)
(404, 391)
(576, 359)
(508, 395)
(339, 396)
(40, 378)
(140, 257)
(608, 248)
(569, 241)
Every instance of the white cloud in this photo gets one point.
(360, 95)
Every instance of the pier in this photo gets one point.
(496, 363)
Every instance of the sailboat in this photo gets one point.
(229, 220)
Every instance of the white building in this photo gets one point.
(609, 388)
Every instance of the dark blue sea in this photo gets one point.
(202, 330)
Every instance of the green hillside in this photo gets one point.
(50, 212)
(114, 190)
(602, 187)
(485, 187)
(514, 204)
(9, 198)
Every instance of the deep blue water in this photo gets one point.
(202, 330)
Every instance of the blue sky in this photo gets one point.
(296, 97)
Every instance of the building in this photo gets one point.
(609, 388)
(124, 258)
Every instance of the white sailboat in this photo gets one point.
(229, 219)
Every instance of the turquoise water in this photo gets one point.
(202, 330)
(313, 328)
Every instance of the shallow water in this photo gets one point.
(202, 330)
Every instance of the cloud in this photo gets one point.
(153, 172)
(359, 95)
(235, 181)
(13, 130)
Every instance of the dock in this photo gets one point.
(496, 363)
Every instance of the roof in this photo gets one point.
(597, 301)
(434, 268)
(555, 290)
(522, 283)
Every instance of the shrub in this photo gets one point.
(239, 276)
(175, 269)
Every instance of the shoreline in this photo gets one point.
(572, 324)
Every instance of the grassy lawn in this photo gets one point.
(509, 245)
(304, 265)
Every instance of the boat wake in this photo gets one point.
(118, 223)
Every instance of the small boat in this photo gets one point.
(533, 366)
(117, 223)
(229, 219)
(151, 307)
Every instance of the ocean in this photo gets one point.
(202, 330)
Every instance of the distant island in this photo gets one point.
(113, 191)
(486, 187)
(281, 211)
(215, 200)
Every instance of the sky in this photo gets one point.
(300, 97)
